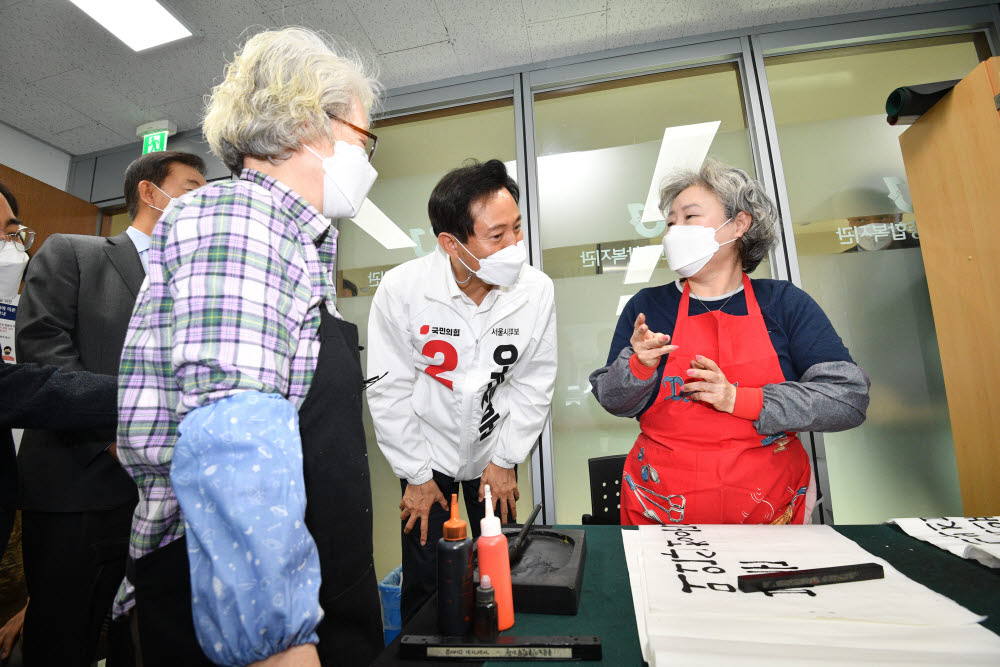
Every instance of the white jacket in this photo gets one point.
(454, 401)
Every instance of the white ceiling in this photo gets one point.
(68, 82)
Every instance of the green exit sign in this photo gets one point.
(151, 143)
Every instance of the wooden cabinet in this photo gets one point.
(952, 157)
(48, 210)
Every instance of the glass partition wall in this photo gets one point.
(803, 110)
(598, 151)
(858, 251)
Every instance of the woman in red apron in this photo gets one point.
(714, 464)
(700, 457)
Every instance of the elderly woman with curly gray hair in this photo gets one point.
(240, 384)
(722, 371)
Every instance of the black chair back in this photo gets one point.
(605, 490)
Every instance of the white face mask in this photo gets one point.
(347, 178)
(502, 268)
(171, 199)
(12, 263)
(689, 247)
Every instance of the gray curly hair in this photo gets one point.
(278, 91)
(737, 192)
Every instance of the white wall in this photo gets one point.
(32, 157)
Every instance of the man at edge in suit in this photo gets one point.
(76, 500)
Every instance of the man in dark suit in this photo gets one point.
(77, 501)
(28, 393)
(9, 285)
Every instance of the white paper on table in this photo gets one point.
(976, 538)
(377, 224)
(630, 541)
(693, 635)
(894, 599)
(826, 643)
(683, 147)
(642, 262)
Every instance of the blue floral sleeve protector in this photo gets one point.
(237, 474)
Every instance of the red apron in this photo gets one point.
(695, 464)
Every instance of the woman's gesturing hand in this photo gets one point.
(649, 346)
(710, 385)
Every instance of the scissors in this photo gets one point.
(674, 510)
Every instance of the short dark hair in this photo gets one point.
(451, 201)
(154, 167)
(9, 196)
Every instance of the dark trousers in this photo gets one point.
(164, 620)
(73, 565)
(420, 562)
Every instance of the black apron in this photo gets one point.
(338, 515)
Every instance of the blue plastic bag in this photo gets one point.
(390, 591)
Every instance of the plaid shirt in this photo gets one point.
(231, 304)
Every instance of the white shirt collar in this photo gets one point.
(141, 240)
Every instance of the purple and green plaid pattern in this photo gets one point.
(231, 304)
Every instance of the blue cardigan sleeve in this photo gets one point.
(255, 576)
(622, 337)
(811, 337)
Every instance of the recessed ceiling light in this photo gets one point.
(141, 24)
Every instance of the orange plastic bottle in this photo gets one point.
(494, 561)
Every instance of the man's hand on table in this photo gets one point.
(503, 488)
(416, 506)
(11, 633)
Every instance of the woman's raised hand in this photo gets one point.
(649, 346)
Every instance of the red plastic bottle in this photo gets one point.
(494, 561)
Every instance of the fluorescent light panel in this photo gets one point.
(683, 147)
(642, 263)
(141, 24)
(622, 302)
(377, 224)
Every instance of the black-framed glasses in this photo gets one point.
(371, 141)
(22, 238)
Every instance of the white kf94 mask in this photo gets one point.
(502, 268)
(689, 247)
(347, 178)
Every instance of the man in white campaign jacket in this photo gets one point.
(467, 339)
